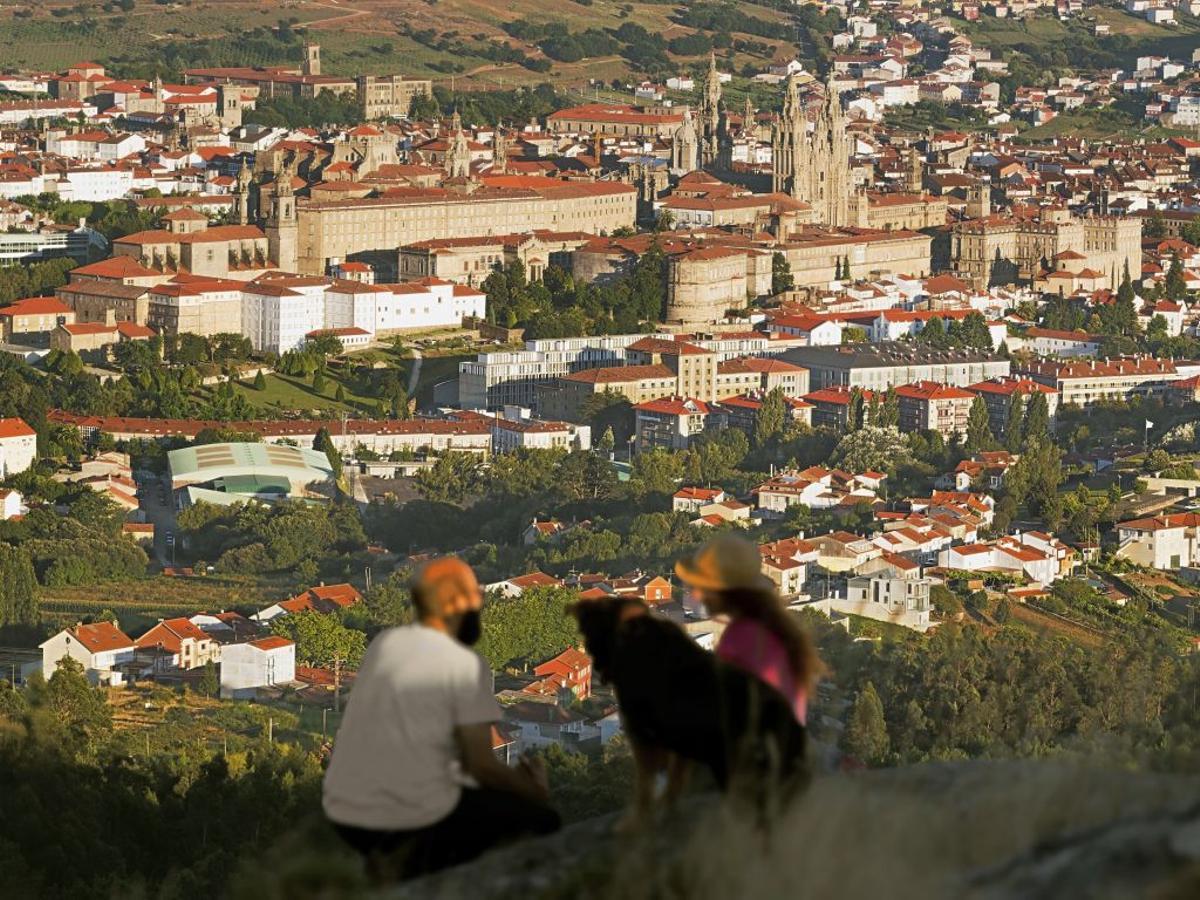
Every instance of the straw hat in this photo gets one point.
(725, 563)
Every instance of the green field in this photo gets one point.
(290, 393)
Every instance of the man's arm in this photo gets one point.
(479, 761)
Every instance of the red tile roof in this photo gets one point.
(99, 637)
(14, 427)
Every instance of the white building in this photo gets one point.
(1161, 542)
(10, 504)
(266, 662)
(900, 601)
(98, 647)
(18, 446)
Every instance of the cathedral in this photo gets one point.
(813, 165)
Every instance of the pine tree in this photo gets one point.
(974, 332)
(318, 382)
(866, 736)
(340, 394)
(979, 427)
(260, 381)
(1013, 431)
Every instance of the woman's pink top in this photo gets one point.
(748, 645)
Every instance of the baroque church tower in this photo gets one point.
(281, 222)
(685, 146)
(813, 166)
(458, 156)
(710, 115)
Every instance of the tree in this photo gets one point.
(866, 737)
(323, 443)
(1175, 286)
(1120, 317)
(530, 628)
(340, 394)
(607, 442)
(18, 587)
(973, 332)
(979, 427)
(771, 418)
(1037, 419)
(79, 710)
(586, 476)
(781, 274)
(856, 411)
(889, 410)
(451, 479)
(318, 382)
(209, 682)
(260, 381)
(321, 639)
(871, 448)
(1013, 427)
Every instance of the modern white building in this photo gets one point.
(264, 663)
(900, 601)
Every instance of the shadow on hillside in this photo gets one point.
(980, 830)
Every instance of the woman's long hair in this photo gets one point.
(765, 607)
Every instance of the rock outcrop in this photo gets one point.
(976, 830)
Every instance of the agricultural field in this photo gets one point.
(446, 40)
(139, 603)
(168, 719)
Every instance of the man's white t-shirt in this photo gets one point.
(395, 763)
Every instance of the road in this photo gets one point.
(158, 513)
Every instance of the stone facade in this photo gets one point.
(703, 283)
(814, 167)
(382, 96)
(1000, 250)
(333, 231)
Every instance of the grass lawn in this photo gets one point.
(286, 393)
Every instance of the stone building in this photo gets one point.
(814, 165)
(654, 122)
(703, 283)
(1004, 249)
(469, 260)
(332, 231)
(685, 146)
(814, 254)
(93, 299)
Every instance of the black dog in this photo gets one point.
(677, 698)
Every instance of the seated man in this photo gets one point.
(413, 784)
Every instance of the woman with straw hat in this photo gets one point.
(761, 636)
